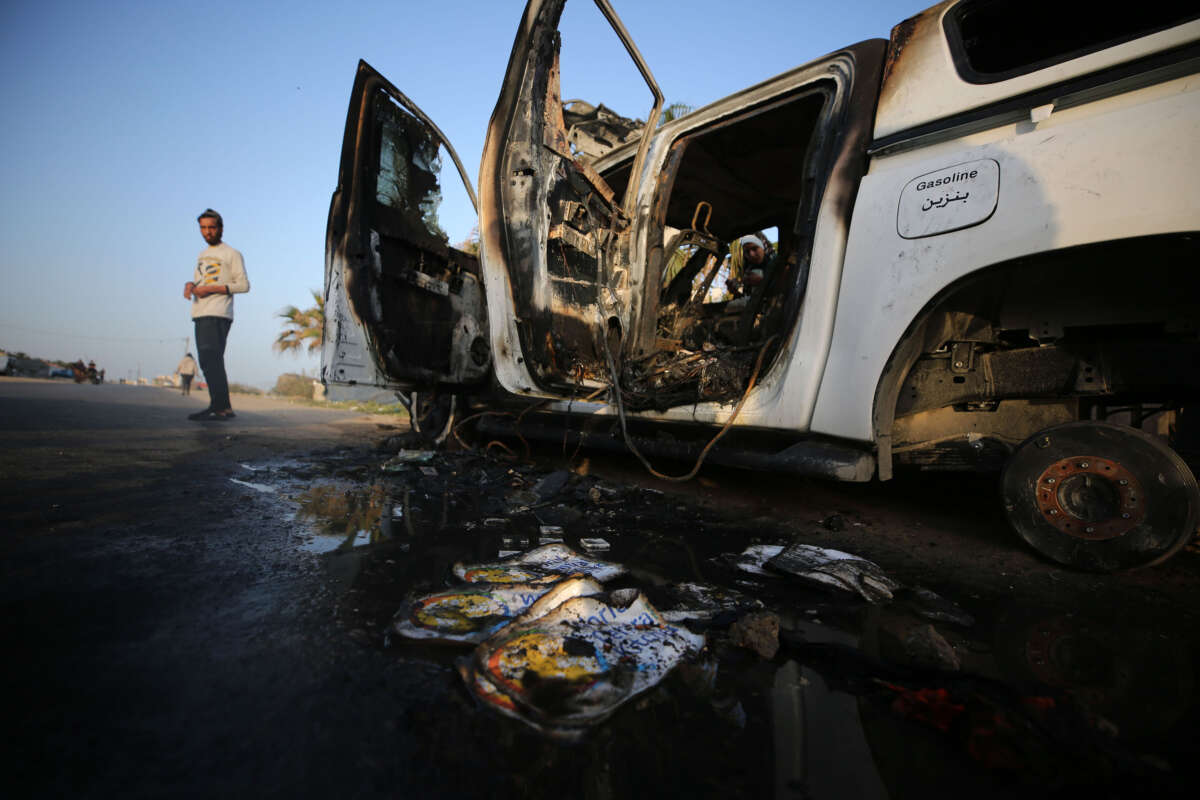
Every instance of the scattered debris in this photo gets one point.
(550, 534)
(595, 544)
(521, 499)
(934, 707)
(562, 669)
(759, 632)
(404, 458)
(837, 569)
(552, 484)
(596, 130)
(471, 613)
(544, 564)
(928, 648)
(754, 558)
(429, 472)
(834, 522)
(933, 606)
(701, 601)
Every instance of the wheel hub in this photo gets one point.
(1090, 498)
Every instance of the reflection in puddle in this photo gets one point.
(341, 518)
(821, 749)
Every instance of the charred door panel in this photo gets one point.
(406, 309)
(563, 232)
(552, 203)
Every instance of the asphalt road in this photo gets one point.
(202, 610)
(163, 638)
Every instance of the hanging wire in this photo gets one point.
(616, 388)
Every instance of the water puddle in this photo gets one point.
(332, 517)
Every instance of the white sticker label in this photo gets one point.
(949, 199)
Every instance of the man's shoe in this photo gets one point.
(208, 415)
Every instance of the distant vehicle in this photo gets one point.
(61, 372)
(987, 251)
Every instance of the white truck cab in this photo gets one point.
(985, 248)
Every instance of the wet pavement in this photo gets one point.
(223, 625)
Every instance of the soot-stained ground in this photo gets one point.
(981, 690)
(217, 620)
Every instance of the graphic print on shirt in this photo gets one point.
(208, 272)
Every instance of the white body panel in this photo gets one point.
(936, 90)
(1121, 167)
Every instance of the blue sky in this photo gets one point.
(123, 120)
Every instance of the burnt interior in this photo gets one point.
(584, 314)
(999, 39)
(756, 171)
(750, 168)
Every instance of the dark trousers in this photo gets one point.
(211, 333)
(186, 380)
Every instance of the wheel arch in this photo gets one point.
(1165, 287)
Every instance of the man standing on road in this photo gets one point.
(219, 275)
(187, 371)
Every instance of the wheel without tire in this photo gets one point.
(1100, 497)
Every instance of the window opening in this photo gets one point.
(994, 40)
(716, 308)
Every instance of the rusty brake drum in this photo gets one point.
(1100, 497)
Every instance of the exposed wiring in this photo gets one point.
(501, 445)
(616, 389)
(517, 425)
(473, 417)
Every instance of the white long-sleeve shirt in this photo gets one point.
(219, 265)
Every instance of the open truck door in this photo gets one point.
(555, 234)
(403, 309)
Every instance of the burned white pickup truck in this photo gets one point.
(985, 257)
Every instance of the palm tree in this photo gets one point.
(299, 326)
(675, 111)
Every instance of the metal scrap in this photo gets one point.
(404, 458)
(470, 613)
(823, 566)
(544, 564)
(702, 601)
(837, 569)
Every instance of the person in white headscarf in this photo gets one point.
(755, 265)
